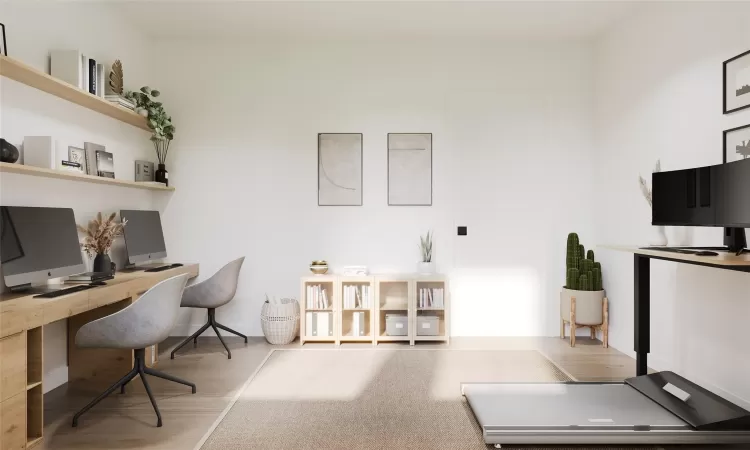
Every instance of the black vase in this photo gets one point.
(8, 152)
(161, 175)
(102, 263)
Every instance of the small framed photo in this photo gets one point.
(78, 155)
(737, 83)
(737, 144)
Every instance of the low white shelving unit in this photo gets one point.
(355, 309)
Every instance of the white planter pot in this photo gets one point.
(658, 236)
(589, 306)
(426, 268)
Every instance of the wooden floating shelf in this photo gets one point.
(35, 78)
(65, 175)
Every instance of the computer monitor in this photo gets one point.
(711, 196)
(37, 244)
(144, 239)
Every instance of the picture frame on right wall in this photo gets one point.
(410, 169)
(736, 84)
(736, 144)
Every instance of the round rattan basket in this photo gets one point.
(279, 320)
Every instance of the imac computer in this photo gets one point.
(38, 244)
(711, 196)
(144, 239)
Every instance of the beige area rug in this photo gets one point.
(369, 398)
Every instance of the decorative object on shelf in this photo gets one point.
(319, 267)
(8, 152)
(78, 155)
(736, 144)
(736, 83)
(39, 151)
(160, 124)
(89, 154)
(410, 169)
(279, 320)
(114, 92)
(4, 49)
(353, 271)
(659, 235)
(105, 164)
(70, 166)
(582, 299)
(67, 65)
(98, 238)
(340, 169)
(144, 171)
(426, 266)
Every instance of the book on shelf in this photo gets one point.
(318, 323)
(105, 164)
(119, 100)
(90, 150)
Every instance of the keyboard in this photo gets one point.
(66, 291)
(163, 268)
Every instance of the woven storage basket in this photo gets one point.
(280, 320)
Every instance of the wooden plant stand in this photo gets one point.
(603, 327)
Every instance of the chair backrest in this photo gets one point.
(146, 322)
(217, 290)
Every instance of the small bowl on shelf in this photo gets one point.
(319, 267)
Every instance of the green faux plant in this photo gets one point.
(582, 272)
(158, 121)
(425, 247)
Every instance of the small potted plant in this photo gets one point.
(160, 124)
(426, 266)
(98, 239)
(582, 299)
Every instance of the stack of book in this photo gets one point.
(431, 298)
(119, 100)
(358, 323)
(317, 297)
(357, 296)
(319, 323)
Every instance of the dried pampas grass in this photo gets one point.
(100, 234)
(645, 190)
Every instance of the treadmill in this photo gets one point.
(660, 408)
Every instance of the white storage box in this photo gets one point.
(428, 325)
(396, 325)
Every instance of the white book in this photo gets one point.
(355, 327)
(308, 323)
(100, 80)
(430, 302)
(325, 299)
(322, 324)
(66, 65)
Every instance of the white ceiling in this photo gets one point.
(537, 20)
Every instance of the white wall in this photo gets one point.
(658, 95)
(32, 31)
(512, 161)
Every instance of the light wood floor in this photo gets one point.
(128, 421)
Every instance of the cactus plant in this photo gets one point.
(582, 272)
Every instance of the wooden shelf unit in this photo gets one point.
(391, 294)
(64, 175)
(35, 78)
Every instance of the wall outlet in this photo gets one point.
(462, 231)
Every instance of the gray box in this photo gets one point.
(428, 325)
(396, 325)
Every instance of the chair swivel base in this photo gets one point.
(139, 368)
(215, 325)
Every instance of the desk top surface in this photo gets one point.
(724, 259)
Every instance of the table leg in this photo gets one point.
(642, 318)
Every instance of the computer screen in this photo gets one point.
(37, 244)
(144, 239)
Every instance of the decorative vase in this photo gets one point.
(658, 236)
(8, 152)
(426, 268)
(161, 175)
(102, 263)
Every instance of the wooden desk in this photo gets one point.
(642, 289)
(21, 356)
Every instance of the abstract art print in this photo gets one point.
(340, 169)
(737, 144)
(737, 83)
(410, 169)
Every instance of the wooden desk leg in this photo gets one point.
(94, 369)
(642, 319)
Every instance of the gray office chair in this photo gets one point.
(210, 294)
(142, 324)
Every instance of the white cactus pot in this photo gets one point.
(589, 306)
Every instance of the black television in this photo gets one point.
(711, 196)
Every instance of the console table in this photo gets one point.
(21, 361)
(642, 289)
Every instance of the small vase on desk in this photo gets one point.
(658, 236)
(161, 175)
(102, 263)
